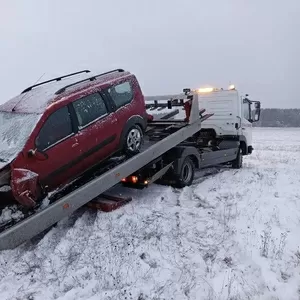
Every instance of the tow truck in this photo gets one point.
(183, 136)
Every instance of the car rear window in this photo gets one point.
(89, 109)
(121, 94)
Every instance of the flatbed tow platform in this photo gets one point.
(169, 152)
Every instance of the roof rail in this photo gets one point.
(90, 78)
(54, 79)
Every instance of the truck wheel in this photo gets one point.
(238, 162)
(186, 175)
(133, 140)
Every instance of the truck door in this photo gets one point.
(246, 128)
(224, 105)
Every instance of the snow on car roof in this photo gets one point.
(39, 98)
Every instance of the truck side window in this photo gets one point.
(57, 127)
(121, 94)
(246, 110)
(89, 109)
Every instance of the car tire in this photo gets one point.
(133, 140)
(186, 174)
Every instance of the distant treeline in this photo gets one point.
(274, 117)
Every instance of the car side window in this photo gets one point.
(89, 108)
(57, 127)
(121, 94)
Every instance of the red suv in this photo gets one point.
(57, 130)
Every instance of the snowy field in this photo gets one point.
(232, 235)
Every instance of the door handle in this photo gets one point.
(114, 121)
(240, 122)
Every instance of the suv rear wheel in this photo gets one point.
(186, 175)
(133, 140)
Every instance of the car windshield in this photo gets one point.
(15, 129)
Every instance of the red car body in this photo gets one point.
(51, 134)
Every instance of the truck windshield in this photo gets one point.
(15, 129)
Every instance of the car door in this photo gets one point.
(98, 128)
(58, 149)
(122, 96)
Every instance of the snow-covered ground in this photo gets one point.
(232, 235)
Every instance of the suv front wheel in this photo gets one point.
(133, 140)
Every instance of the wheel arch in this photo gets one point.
(244, 148)
(194, 160)
(132, 121)
(178, 154)
(209, 130)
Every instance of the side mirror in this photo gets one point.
(186, 91)
(256, 111)
(38, 154)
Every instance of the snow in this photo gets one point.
(15, 129)
(232, 235)
(37, 99)
(10, 213)
(159, 113)
(27, 175)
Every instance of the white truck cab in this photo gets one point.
(233, 115)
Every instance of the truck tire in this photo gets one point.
(133, 140)
(238, 162)
(186, 174)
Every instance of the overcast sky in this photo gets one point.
(168, 44)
